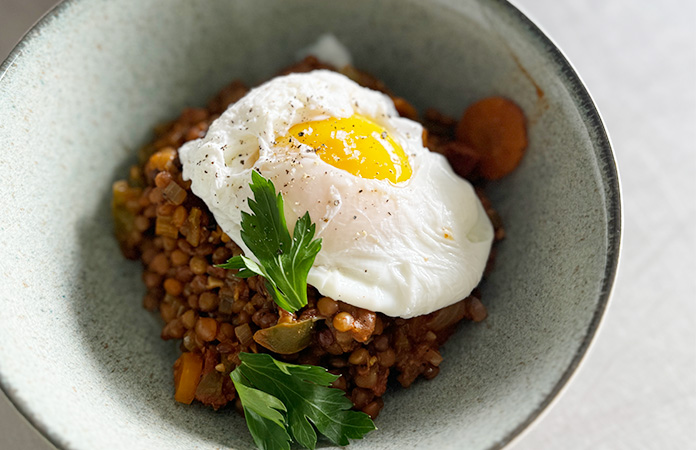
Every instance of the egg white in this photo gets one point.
(403, 249)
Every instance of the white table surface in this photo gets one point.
(637, 387)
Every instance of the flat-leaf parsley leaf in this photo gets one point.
(283, 260)
(262, 412)
(284, 400)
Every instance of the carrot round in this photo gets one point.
(495, 128)
(187, 375)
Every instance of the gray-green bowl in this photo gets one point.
(82, 359)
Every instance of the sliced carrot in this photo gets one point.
(187, 375)
(495, 128)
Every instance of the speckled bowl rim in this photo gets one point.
(609, 176)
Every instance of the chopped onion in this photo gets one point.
(214, 283)
(164, 227)
(193, 235)
(433, 357)
(174, 193)
(243, 333)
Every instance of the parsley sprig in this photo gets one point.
(283, 260)
(286, 402)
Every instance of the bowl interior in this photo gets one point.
(84, 361)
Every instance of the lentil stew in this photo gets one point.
(216, 315)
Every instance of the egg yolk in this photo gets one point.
(357, 145)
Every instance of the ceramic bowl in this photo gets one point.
(82, 359)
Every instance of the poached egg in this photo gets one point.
(401, 233)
